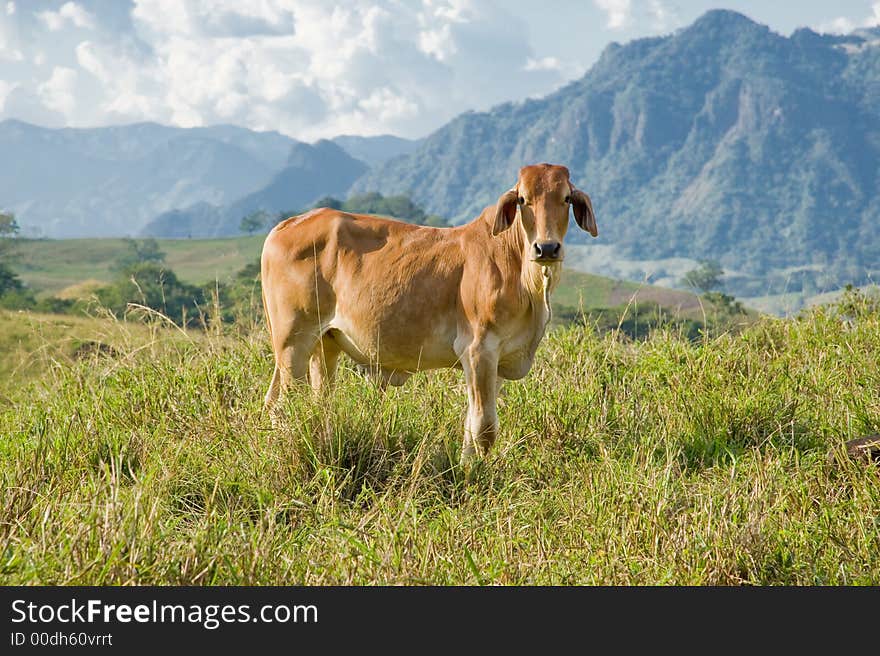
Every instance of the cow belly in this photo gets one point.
(394, 346)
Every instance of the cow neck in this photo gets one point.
(533, 280)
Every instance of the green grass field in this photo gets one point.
(34, 346)
(790, 304)
(666, 461)
(28, 342)
(49, 266)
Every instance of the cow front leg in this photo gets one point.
(480, 364)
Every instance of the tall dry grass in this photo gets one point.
(666, 461)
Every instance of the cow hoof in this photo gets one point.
(472, 463)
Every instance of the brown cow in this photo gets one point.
(400, 298)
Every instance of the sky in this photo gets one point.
(313, 69)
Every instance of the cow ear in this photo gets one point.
(505, 211)
(583, 212)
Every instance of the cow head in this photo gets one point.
(543, 195)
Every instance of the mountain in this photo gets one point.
(375, 150)
(723, 140)
(111, 181)
(198, 220)
(164, 181)
(311, 171)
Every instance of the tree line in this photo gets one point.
(399, 207)
(142, 281)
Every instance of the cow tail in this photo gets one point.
(263, 296)
(265, 306)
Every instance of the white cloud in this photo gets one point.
(437, 43)
(307, 68)
(218, 18)
(840, 25)
(618, 12)
(13, 55)
(58, 92)
(543, 64)
(314, 69)
(5, 89)
(844, 25)
(436, 23)
(387, 105)
(663, 17)
(456, 11)
(874, 19)
(644, 16)
(129, 90)
(70, 12)
(10, 8)
(88, 59)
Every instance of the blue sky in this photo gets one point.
(311, 69)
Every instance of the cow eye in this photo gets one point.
(568, 199)
(521, 200)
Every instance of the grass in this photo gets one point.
(592, 292)
(33, 345)
(50, 266)
(666, 461)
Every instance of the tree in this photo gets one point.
(328, 201)
(152, 285)
(8, 225)
(139, 252)
(254, 221)
(8, 231)
(436, 221)
(400, 207)
(9, 280)
(705, 277)
(240, 298)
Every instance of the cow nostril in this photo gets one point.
(546, 250)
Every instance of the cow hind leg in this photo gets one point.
(322, 365)
(274, 389)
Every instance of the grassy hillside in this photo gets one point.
(592, 292)
(49, 266)
(790, 304)
(659, 462)
(33, 346)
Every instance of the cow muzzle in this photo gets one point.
(546, 252)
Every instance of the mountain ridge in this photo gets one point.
(109, 181)
(724, 140)
(311, 171)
